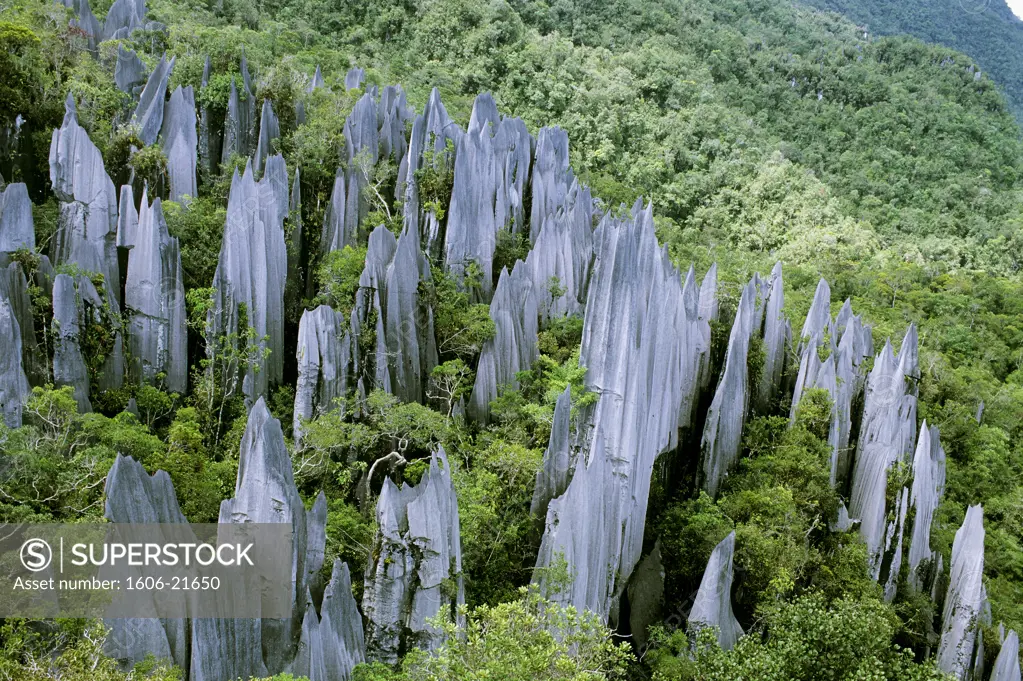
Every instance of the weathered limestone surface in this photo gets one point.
(928, 487)
(17, 229)
(324, 353)
(392, 114)
(514, 345)
(87, 226)
(14, 388)
(129, 71)
(251, 273)
(553, 476)
(551, 177)
(123, 17)
(155, 301)
(135, 497)
(269, 130)
(336, 234)
(1007, 664)
(965, 599)
(635, 318)
(417, 548)
(240, 120)
(362, 142)
(713, 604)
(777, 336)
(887, 436)
(722, 432)
(127, 218)
(68, 363)
(408, 322)
(354, 78)
(708, 313)
(14, 287)
(181, 144)
(148, 115)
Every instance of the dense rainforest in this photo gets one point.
(740, 133)
(987, 30)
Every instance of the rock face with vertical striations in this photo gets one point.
(269, 130)
(87, 226)
(129, 71)
(553, 476)
(181, 144)
(148, 114)
(14, 388)
(1007, 664)
(635, 318)
(240, 119)
(362, 142)
(17, 230)
(416, 550)
(134, 497)
(324, 352)
(344, 644)
(123, 17)
(965, 599)
(14, 286)
(722, 432)
(265, 493)
(393, 112)
(551, 177)
(514, 345)
(928, 487)
(127, 218)
(155, 301)
(713, 604)
(250, 278)
(354, 78)
(336, 235)
(887, 436)
(68, 363)
(777, 336)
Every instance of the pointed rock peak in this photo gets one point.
(317, 81)
(713, 604)
(484, 111)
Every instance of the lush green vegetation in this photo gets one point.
(987, 30)
(758, 129)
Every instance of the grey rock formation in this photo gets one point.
(362, 142)
(336, 235)
(68, 363)
(1007, 664)
(14, 388)
(708, 306)
(296, 271)
(551, 177)
(123, 17)
(341, 626)
(928, 487)
(251, 273)
(393, 112)
(777, 336)
(129, 71)
(181, 144)
(514, 345)
(265, 493)
(317, 80)
(965, 599)
(148, 115)
(87, 22)
(17, 229)
(127, 218)
(553, 476)
(722, 432)
(210, 137)
(87, 226)
(713, 604)
(431, 132)
(240, 119)
(892, 557)
(136, 498)
(269, 130)
(646, 595)
(354, 78)
(324, 352)
(635, 318)
(155, 301)
(416, 550)
(14, 287)
(887, 436)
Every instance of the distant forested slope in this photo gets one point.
(987, 30)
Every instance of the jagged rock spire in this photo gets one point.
(87, 226)
(14, 388)
(777, 336)
(553, 476)
(928, 487)
(362, 142)
(269, 130)
(722, 432)
(713, 604)
(354, 78)
(14, 286)
(417, 548)
(551, 177)
(155, 300)
(1007, 665)
(887, 436)
(250, 277)
(965, 599)
(635, 318)
(181, 144)
(123, 17)
(336, 234)
(148, 114)
(324, 353)
(17, 228)
(129, 71)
